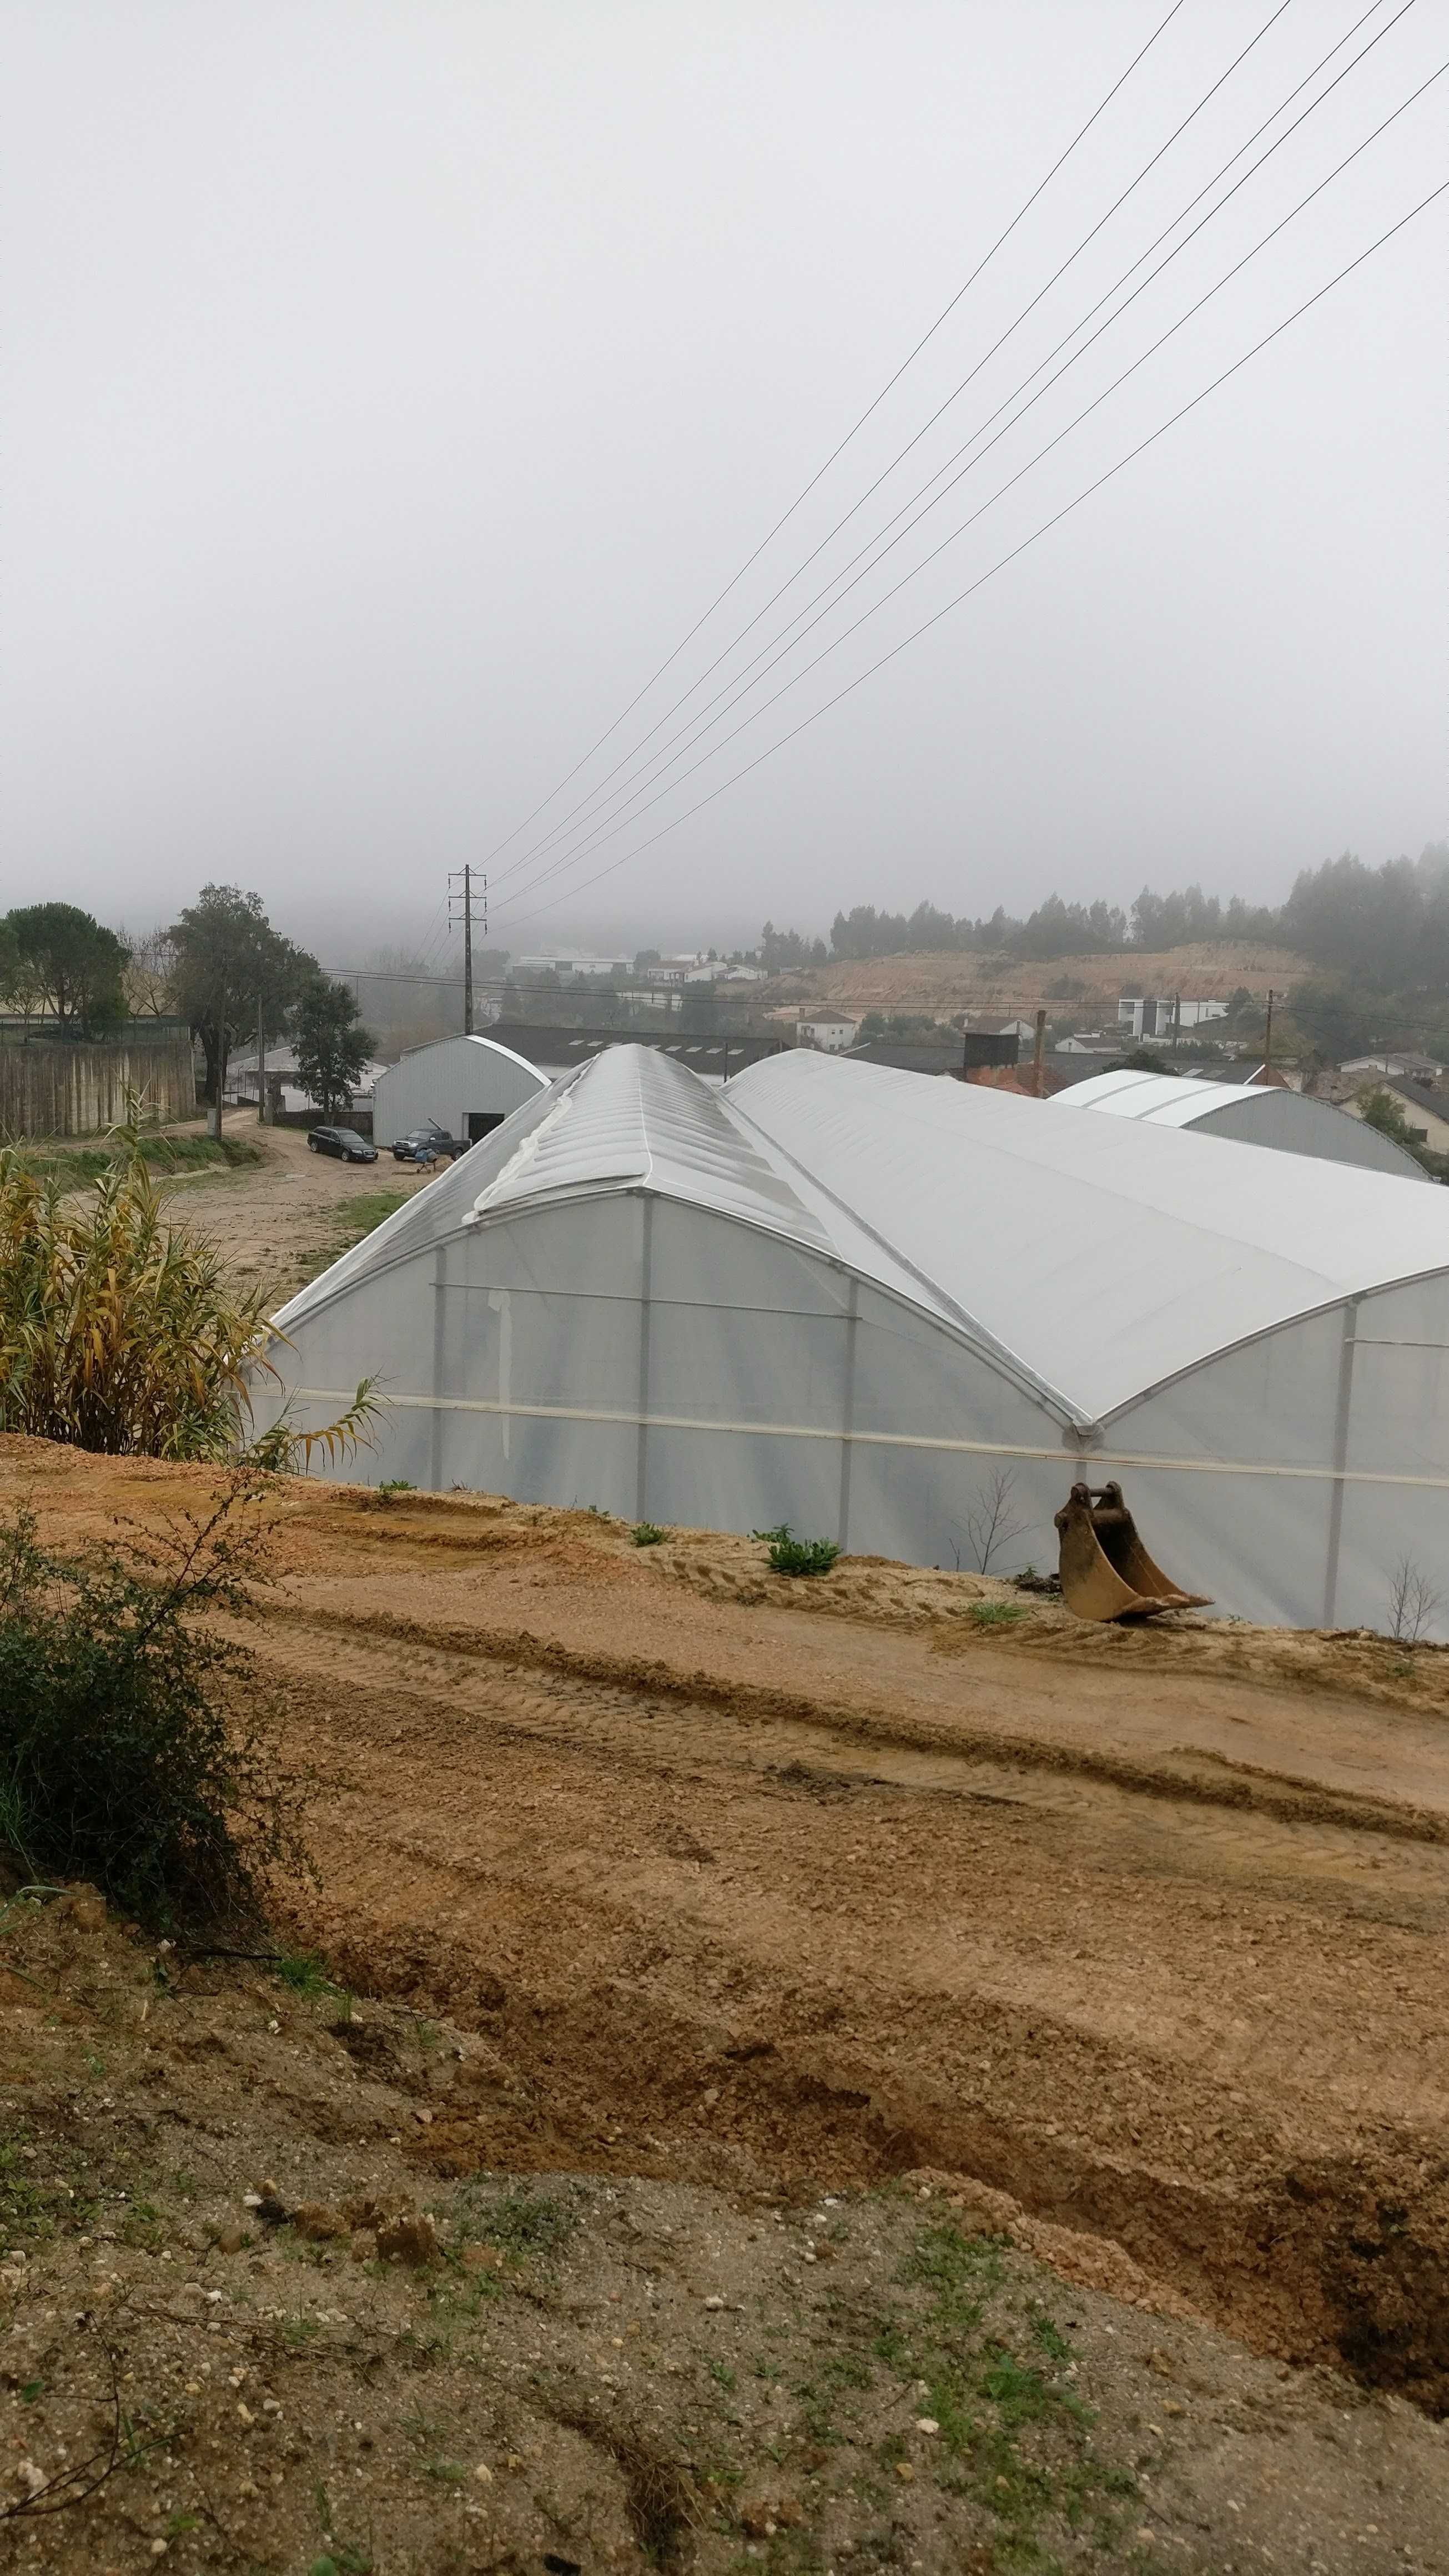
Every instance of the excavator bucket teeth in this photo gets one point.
(1106, 1572)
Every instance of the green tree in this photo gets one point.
(64, 961)
(230, 969)
(1335, 1020)
(332, 1046)
(1381, 1110)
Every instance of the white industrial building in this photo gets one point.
(1254, 1113)
(849, 1298)
(468, 1085)
(1162, 1015)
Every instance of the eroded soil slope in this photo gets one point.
(809, 1886)
(253, 2318)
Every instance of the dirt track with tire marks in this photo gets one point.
(742, 1883)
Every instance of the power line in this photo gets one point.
(911, 443)
(591, 831)
(871, 407)
(1016, 551)
(602, 832)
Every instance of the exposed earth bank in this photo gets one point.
(739, 1887)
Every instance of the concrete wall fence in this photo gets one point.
(48, 1088)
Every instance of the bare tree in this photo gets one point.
(991, 1522)
(1413, 1603)
(147, 974)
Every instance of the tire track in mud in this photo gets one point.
(1194, 1777)
(724, 1930)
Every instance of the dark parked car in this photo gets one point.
(431, 1139)
(344, 1142)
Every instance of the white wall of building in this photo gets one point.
(460, 1082)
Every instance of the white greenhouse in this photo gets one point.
(871, 1304)
(1256, 1113)
(467, 1085)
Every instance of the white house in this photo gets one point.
(1160, 1015)
(241, 1080)
(831, 1036)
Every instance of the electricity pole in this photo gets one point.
(470, 876)
(261, 1063)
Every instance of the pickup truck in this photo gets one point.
(431, 1139)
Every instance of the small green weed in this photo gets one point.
(304, 1973)
(355, 1217)
(1013, 2436)
(394, 1485)
(997, 1614)
(647, 1534)
(1048, 2334)
(521, 2222)
(791, 1555)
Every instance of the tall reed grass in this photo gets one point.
(121, 1334)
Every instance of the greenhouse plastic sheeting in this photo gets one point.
(866, 1301)
(1256, 1113)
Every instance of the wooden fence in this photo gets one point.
(51, 1089)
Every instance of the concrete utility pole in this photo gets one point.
(261, 1066)
(468, 875)
(1038, 1056)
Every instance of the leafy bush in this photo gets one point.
(791, 1555)
(134, 1752)
(648, 1534)
(116, 1333)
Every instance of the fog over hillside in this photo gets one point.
(391, 388)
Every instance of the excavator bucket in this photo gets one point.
(1106, 1572)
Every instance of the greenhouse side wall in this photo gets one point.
(1338, 1427)
(730, 1385)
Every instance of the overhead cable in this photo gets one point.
(559, 829)
(871, 407)
(603, 832)
(1012, 556)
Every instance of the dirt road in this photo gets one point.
(749, 1881)
(281, 1222)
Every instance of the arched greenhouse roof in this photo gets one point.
(1096, 1256)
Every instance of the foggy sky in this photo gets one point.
(389, 388)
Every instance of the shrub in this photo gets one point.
(997, 1614)
(134, 1751)
(791, 1555)
(116, 1333)
(648, 1534)
(120, 1335)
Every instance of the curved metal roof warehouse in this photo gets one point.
(854, 1299)
(1256, 1113)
